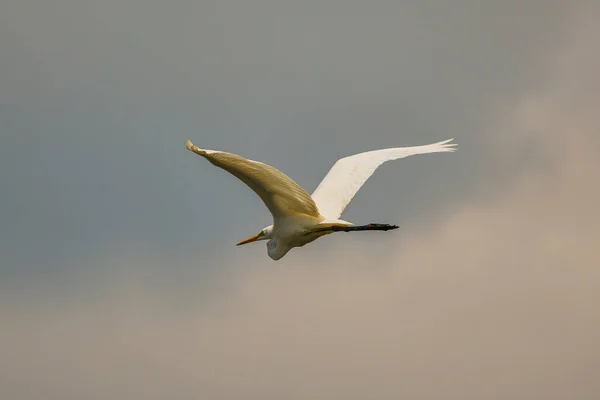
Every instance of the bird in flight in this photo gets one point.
(300, 218)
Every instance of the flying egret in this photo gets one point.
(300, 218)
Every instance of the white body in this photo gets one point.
(288, 233)
(300, 218)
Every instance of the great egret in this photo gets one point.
(300, 218)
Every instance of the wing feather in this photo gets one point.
(282, 196)
(348, 175)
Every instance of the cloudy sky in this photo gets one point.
(119, 275)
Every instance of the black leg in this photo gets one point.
(355, 228)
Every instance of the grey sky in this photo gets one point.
(98, 97)
(112, 234)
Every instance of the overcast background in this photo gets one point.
(119, 275)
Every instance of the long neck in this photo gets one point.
(276, 249)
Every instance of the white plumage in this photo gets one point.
(300, 218)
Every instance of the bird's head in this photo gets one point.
(264, 234)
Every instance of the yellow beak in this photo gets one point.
(250, 239)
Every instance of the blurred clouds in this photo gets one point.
(497, 298)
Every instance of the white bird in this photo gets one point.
(300, 218)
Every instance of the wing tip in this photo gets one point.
(445, 145)
(194, 149)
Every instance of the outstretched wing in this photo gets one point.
(348, 174)
(282, 196)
